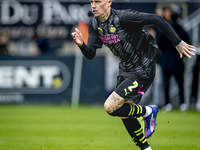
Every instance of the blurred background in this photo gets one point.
(40, 64)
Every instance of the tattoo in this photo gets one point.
(180, 46)
(114, 102)
(105, 16)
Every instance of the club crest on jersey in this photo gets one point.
(112, 29)
(100, 29)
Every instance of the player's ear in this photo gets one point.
(109, 2)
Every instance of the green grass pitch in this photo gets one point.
(89, 128)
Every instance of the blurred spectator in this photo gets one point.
(170, 61)
(159, 12)
(111, 72)
(195, 82)
(157, 84)
(42, 44)
(154, 30)
(4, 40)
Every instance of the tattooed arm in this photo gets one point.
(186, 49)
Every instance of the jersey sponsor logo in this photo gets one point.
(130, 88)
(109, 38)
(112, 29)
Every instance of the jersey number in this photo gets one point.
(130, 88)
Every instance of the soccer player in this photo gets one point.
(121, 31)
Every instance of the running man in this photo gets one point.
(121, 31)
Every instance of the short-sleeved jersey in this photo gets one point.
(122, 33)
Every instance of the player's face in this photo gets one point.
(100, 7)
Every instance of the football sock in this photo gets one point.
(135, 130)
(129, 110)
(148, 148)
(148, 111)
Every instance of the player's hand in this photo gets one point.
(186, 49)
(78, 37)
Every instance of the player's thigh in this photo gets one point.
(129, 89)
(113, 102)
(134, 87)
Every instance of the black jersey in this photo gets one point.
(122, 33)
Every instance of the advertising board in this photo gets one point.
(49, 80)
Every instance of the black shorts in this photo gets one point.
(132, 85)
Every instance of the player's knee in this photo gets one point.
(114, 112)
(108, 108)
(122, 111)
(113, 102)
(111, 111)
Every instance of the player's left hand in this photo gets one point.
(186, 49)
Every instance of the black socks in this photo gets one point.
(129, 110)
(136, 132)
(132, 124)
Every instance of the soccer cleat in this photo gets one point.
(150, 122)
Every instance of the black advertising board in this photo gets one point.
(49, 80)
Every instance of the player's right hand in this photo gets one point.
(78, 37)
(186, 49)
